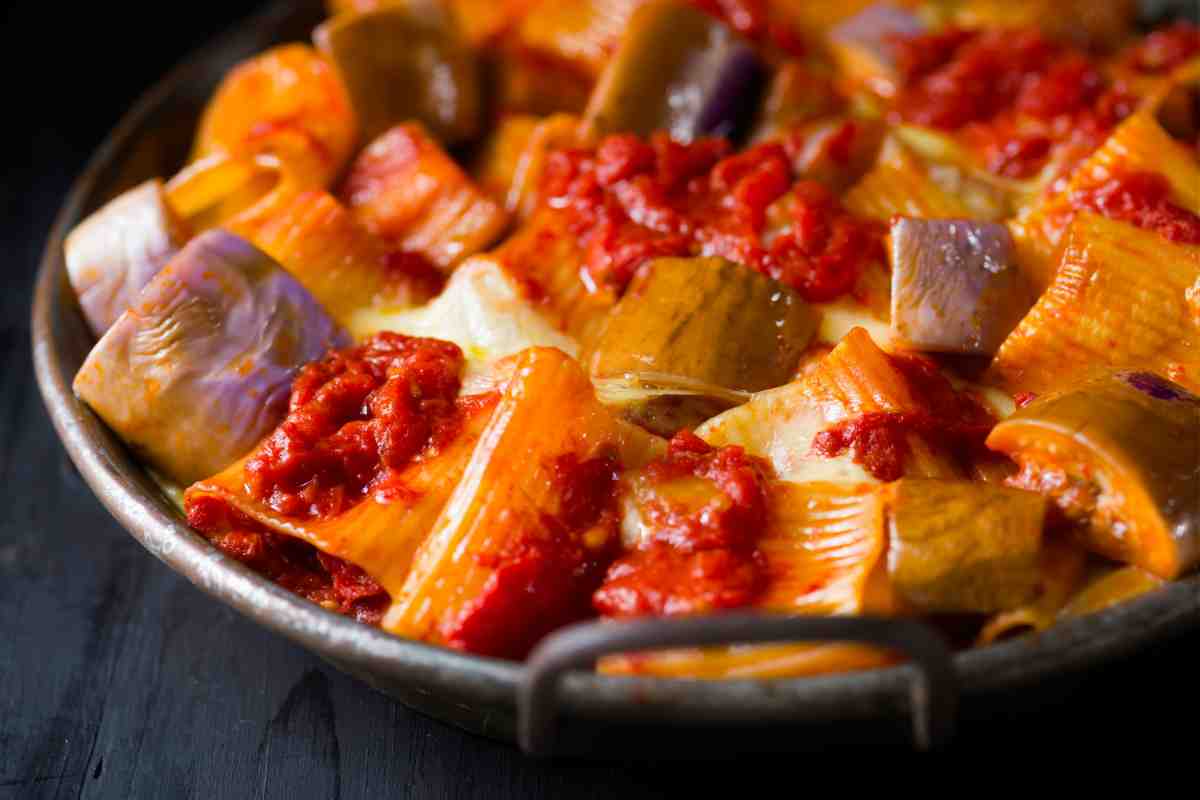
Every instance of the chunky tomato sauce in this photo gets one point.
(418, 271)
(544, 577)
(293, 564)
(955, 422)
(356, 418)
(1142, 199)
(1016, 95)
(754, 20)
(630, 200)
(696, 557)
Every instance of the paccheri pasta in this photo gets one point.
(474, 319)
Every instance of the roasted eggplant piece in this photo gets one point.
(200, 367)
(402, 64)
(680, 70)
(863, 45)
(1062, 572)
(1111, 586)
(1120, 454)
(956, 287)
(699, 330)
(963, 547)
(113, 253)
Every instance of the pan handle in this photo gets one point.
(933, 696)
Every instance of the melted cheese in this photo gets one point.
(482, 310)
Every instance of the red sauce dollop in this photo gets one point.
(416, 268)
(355, 418)
(1142, 199)
(545, 577)
(630, 200)
(954, 421)
(293, 564)
(696, 559)
(1015, 94)
(754, 20)
(1023, 399)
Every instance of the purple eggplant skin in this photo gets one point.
(731, 97)
(680, 70)
(113, 253)
(872, 30)
(956, 285)
(199, 369)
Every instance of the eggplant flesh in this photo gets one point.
(680, 70)
(1120, 455)
(1108, 588)
(403, 64)
(695, 336)
(113, 253)
(956, 286)
(963, 547)
(200, 368)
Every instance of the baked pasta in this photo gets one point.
(474, 319)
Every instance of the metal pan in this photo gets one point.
(597, 713)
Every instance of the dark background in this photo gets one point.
(118, 678)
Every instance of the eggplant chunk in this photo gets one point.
(1120, 454)
(199, 369)
(956, 286)
(680, 70)
(113, 253)
(403, 64)
(692, 336)
(862, 45)
(1109, 587)
(959, 546)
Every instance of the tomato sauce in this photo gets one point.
(1142, 199)
(356, 418)
(1015, 95)
(293, 564)
(696, 558)
(544, 578)
(630, 200)
(417, 270)
(955, 422)
(754, 20)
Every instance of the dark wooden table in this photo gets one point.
(119, 679)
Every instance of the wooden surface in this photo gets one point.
(119, 679)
